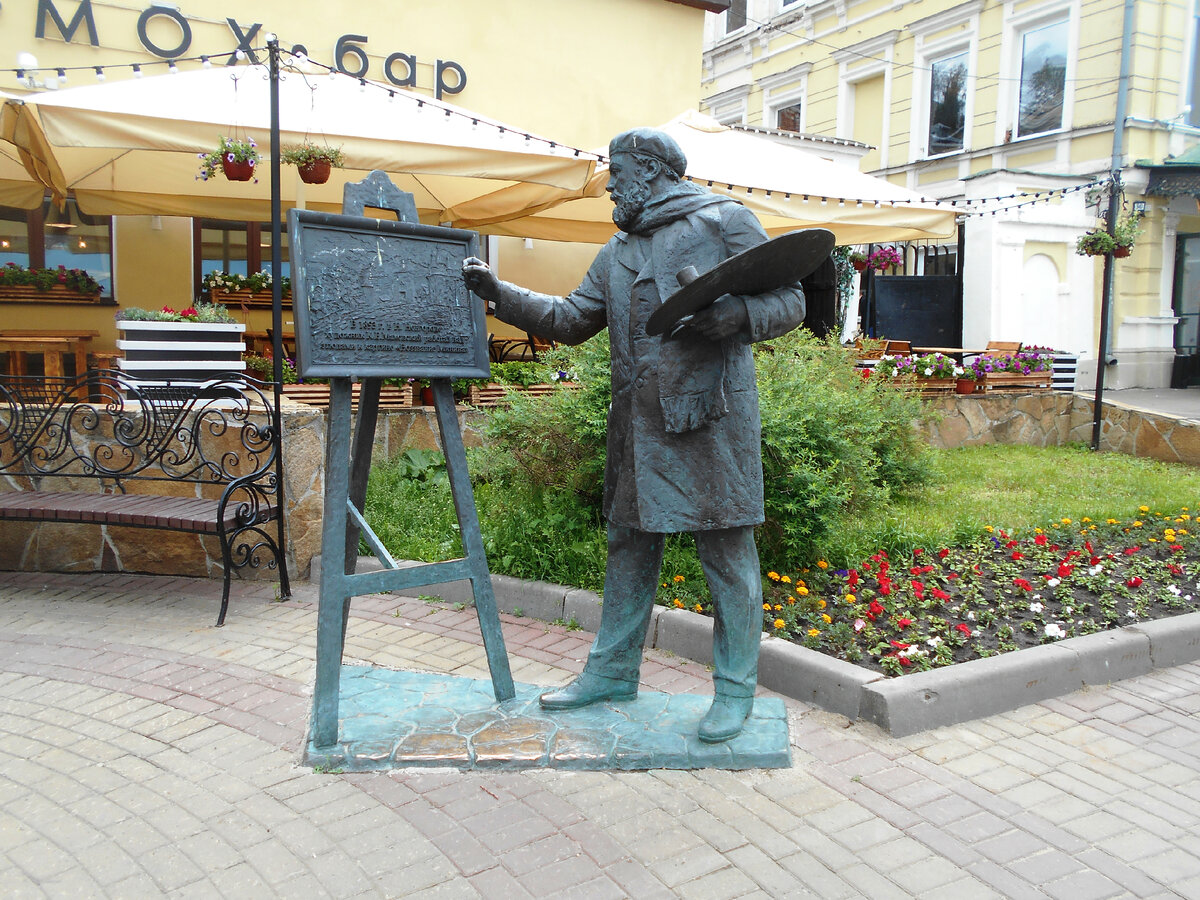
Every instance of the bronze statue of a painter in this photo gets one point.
(683, 431)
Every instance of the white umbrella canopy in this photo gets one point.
(17, 187)
(786, 187)
(130, 147)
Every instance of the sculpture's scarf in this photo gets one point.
(691, 373)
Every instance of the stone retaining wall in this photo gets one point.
(1053, 418)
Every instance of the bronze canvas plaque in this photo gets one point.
(377, 298)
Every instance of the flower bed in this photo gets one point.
(1004, 592)
(41, 285)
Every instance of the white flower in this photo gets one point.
(1054, 630)
(1131, 614)
(971, 616)
(1096, 569)
(929, 370)
(1035, 607)
(1174, 590)
(1052, 582)
(934, 641)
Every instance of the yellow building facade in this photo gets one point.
(576, 72)
(1008, 108)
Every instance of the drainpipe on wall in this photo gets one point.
(1118, 153)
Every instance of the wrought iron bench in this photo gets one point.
(102, 449)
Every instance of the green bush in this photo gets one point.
(834, 444)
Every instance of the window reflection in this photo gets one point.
(947, 104)
(1043, 78)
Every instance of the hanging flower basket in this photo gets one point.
(234, 157)
(315, 172)
(1121, 251)
(312, 161)
(238, 170)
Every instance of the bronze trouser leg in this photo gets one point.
(630, 582)
(731, 566)
(730, 561)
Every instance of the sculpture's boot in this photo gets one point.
(588, 689)
(725, 718)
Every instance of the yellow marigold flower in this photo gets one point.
(791, 601)
(786, 579)
(778, 607)
(1085, 519)
(678, 578)
(802, 591)
(1065, 521)
(1143, 509)
(1179, 531)
(779, 623)
(800, 583)
(821, 564)
(988, 528)
(774, 576)
(827, 618)
(698, 608)
(850, 598)
(1137, 523)
(1153, 540)
(1038, 531)
(767, 607)
(1111, 521)
(813, 632)
(821, 603)
(678, 603)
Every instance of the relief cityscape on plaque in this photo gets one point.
(375, 298)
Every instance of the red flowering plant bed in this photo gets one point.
(1005, 592)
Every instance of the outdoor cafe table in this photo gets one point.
(51, 345)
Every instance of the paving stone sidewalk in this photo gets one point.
(144, 753)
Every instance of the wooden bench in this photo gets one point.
(196, 457)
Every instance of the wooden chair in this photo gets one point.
(894, 347)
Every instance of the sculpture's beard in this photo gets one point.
(629, 204)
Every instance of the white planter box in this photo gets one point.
(154, 352)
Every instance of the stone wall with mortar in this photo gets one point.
(1054, 418)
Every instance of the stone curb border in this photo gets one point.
(900, 706)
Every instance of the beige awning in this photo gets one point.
(130, 147)
(787, 187)
(18, 187)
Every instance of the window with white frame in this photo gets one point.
(947, 103)
(735, 16)
(789, 118)
(1044, 53)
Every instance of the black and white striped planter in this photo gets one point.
(156, 352)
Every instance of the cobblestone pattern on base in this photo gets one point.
(391, 719)
(145, 753)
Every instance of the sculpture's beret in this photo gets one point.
(648, 142)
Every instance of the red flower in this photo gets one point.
(917, 551)
(168, 309)
(903, 623)
(964, 628)
(852, 578)
(62, 277)
(900, 645)
(866, 373)
(1017, 554)
(1040, 540)
(1023, 584)
(1011, 544)
(918, 589)
(1088, 545)
(1175, 547)
(1129, 551)
(943, 553)
(1174, 569)
(875, 609)
(940, 594)
(904, 660)
(1135, 581)
(1064, 570)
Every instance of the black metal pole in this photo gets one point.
(1114, 188)
(277, 305)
